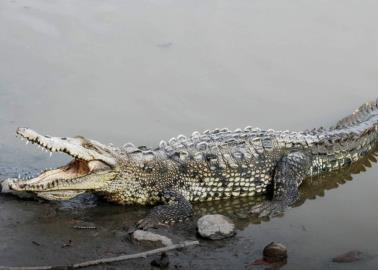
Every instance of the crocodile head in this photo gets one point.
(93, 166)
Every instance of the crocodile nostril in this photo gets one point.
(21, 185)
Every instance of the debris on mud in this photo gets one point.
(215, 227)
(67, 244)
(149, 237)
(162, 262)
(84, 226)
(36, 243)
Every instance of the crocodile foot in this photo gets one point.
(176, 209)
(152, 221)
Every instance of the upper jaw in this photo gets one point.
(77, 147)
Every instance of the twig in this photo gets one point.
(106, 260)
(137, 255)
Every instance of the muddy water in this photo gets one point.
(142, 71)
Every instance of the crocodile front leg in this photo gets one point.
(175, 209)
(289, 174)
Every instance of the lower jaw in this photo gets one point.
(74, 184)
(59, 195)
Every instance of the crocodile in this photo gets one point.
(212, 165)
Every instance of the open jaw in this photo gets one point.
(92, 167)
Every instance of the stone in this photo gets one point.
(145, 236)
(215, 227)
(275, 252)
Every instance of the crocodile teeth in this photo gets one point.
(76, 147)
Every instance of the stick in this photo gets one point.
(106, 260)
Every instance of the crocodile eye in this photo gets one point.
(88, 146)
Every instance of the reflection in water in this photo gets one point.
(310, 189)
(316, 186)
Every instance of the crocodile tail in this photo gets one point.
(366, 113)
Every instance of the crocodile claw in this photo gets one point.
(268, 209)
(146, 223)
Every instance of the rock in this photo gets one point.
(141, 236)
(348, 257)
(162, 262)
(275, 252)
(215, 227)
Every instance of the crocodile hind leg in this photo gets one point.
(175, 209)
(289, 174)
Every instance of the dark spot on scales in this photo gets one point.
(147, 169)
(209, 157)
(223, 179)
(183, 168)
(218, 174)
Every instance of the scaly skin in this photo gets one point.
(206, 166)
